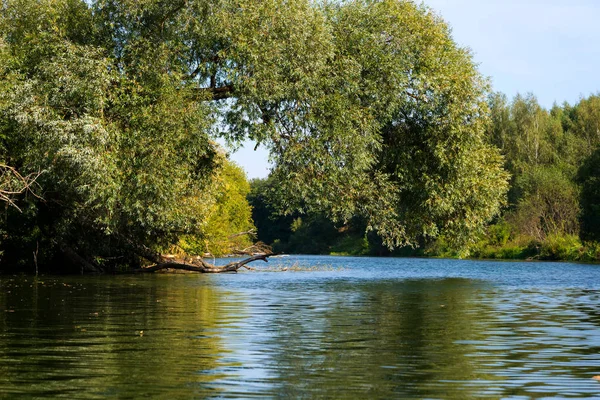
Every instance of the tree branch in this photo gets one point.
(251, 232)
(12, 184)
(215, 93)
(75, 258)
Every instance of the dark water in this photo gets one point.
(344, 328)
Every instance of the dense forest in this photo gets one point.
(382, 133)
(553, 203)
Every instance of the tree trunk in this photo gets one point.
(76, 259)
(199, 265)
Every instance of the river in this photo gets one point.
(306, 327)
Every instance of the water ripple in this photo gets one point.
(374, 328)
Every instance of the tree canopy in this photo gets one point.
(368, 108)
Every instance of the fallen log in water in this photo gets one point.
(199, 265)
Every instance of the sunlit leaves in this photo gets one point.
(369, 109)
(125, 148)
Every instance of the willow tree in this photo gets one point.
(389, 125)
(125, 145)
(368, 108)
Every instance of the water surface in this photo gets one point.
(305, 327)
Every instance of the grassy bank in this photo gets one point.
(551, 248)
(495, 245)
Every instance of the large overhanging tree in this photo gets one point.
(368, 108)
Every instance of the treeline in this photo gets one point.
(553, 203)
(373, 116)
(376, 122)
(553, 157)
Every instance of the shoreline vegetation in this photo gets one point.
(552, 208)
(566, 248)
(384, 138)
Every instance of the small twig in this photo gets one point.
(251, 232)
(35, 256)
(13, 184)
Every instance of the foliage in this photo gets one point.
(548, 204)
(398, 134)
(352, 246)
(553, 194)
(309, 233)
(561, 247)
(589, 178)
(553, 247)
(125, 151)
(376, 121)
(229, 226)
(552, 189)
(271, 225)
(395, 136)
(585, 122)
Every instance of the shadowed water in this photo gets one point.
(307, 327)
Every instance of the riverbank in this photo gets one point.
(491, 247)
(552, 248)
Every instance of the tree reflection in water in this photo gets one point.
(297, 334)
(116, 337)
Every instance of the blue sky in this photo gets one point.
(550, 48)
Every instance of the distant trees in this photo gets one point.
(551, 157)
(584, 122)
(589, 178)
(542, 159)
(548, 204)
(229, 227)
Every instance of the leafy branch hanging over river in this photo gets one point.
(368, 109)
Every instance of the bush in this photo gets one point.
(561, 247)
(351, 245)
(591, 252)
